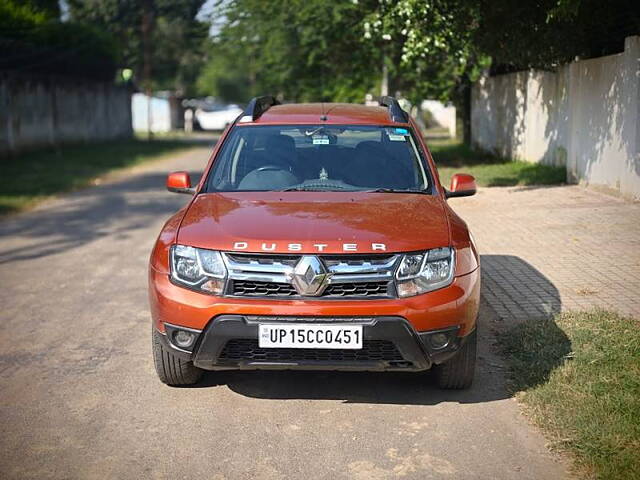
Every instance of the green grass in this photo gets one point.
(579, 378)
(451, 157)
(29, 178)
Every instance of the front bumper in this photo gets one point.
(453, 306)
(389, 343)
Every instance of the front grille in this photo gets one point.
(271, 275)
(364, 289)
(261, 289)
(248, 350)
(243, 288)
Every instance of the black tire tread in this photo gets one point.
(172, 370)
(458, 373)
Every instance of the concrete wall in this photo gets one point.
(154, 110)
(584, 116)
(38, 112)
(443, 115)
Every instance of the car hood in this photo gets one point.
(315, 222)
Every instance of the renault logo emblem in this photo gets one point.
(309, 276)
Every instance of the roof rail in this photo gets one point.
(257, 106)
(396, 112)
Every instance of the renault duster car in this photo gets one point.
(319, 237)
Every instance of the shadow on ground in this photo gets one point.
(114, 209)
(517, 291)
(504, 276)
(525, 304)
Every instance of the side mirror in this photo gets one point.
(462, 185)
(179, 182)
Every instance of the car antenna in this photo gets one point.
(323, 115)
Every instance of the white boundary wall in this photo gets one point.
(444, 115)
(159, 111)
(38, 112)
(585, 116)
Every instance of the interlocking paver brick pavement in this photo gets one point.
(546, 250)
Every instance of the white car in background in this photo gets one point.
(217, 119)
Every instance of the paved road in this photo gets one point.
(79, 397)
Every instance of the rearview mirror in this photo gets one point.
(462, 185)
(179, 182)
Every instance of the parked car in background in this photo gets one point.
(217, 118)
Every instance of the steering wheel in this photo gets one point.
(269, 168)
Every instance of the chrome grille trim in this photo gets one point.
(359, 266)
(258, 268)
(342, 269)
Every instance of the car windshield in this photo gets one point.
(318, 158)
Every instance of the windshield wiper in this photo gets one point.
(300, 189)
(394, 190)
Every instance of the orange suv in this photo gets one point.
(319, 237)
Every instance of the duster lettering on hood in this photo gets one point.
(296, 247)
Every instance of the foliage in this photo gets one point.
(334, 51)
(227, 75)
(427, 42)
(33, 42)
(51, 8)
(321, 50)
(579, 374)
(545, 33)
(176, 42)
(301, 50)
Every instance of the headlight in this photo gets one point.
(425, 271)
(198, 269)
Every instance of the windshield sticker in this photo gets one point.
(397, 134)
(397, 138)
(320, 140)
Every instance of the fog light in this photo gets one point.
(183, 339)
(439, 340)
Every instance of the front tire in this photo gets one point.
(172, 370)
(457, 373)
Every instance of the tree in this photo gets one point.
(337, 50)
(160, 37)
(300, 49)
(546, 33)
(428, 44)
(428, 47)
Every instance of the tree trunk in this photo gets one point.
(147, 31)
(465, 112)
(384, 83)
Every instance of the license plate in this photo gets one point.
(310, 336)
